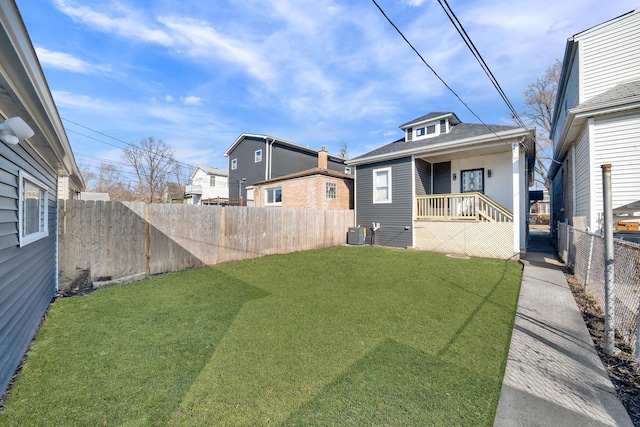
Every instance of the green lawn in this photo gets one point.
(342, 336)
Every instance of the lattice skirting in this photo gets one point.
(479, 239)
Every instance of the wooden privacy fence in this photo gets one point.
(120, 239)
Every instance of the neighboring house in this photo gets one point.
(29, 171)
(316, 188)
(208, 186)
(254, 158)
(596, 121)
(448, 187)
(540, 206)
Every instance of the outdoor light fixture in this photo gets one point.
(13, 130)
(454, 176)
(489, 173)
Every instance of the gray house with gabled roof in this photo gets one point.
(448, 186)
(31, 167)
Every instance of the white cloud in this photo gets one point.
(169, 98)
(65, 61)
(127, 23)
(192, 100)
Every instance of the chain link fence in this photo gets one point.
(583, 253)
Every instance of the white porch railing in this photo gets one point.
(461, 207)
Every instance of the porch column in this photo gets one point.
(517, 191)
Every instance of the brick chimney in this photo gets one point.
(323, 158)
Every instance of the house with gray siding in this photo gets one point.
(254, 158)
(34, 170)
(448, 186)
(596, 121)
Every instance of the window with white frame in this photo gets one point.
(420, 131)
(347, 170)
(258, 156)
(331, 190)
(382, 185)
(212, 181)
(234, 164)
(431, 129)
(32, 211)
(273, 196)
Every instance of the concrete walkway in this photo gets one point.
(554, 376)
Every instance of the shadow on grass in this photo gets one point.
(129, 355)
(399, 385)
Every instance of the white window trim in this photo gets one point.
(375, 173)
(258, 156)
(266, 196)
(234, 164)
(25, 240)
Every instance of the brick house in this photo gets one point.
(316, 188)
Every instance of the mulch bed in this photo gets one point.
(623, 369)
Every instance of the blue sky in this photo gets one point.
(197, 74)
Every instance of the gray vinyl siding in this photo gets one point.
(423, 177)
(284, 161)
(442, 178)
(393, 217)
(28, 273)
(247, 167)
(583, 185)
(288, 160)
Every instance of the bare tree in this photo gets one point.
(153, 162)
(344, 152)
(540, 97)
(109, 180)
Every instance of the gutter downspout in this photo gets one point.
(268, 152)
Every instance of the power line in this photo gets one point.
(474, 51)
(128, 144)
(434, 71)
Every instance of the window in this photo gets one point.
(258, 156)
(234, 164)
(212, 181)
(273, 196)
(419, 131)
(472, 180)
(331, 190)
(347, 170)
(409, 134)
(431, 129)
(382, 185)
(32, 210)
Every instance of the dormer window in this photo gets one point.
(431, 129)
(409, 134)
(420, 132)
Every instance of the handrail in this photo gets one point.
(461, 206)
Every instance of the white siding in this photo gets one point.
(221, 189)
(617, 141)
(609, 55)
(582, 184)
(499, 187)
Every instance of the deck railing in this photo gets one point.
(461, 207)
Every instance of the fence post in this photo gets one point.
(609, 309)
(586, 276)
(147, 232)
(636, 353)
